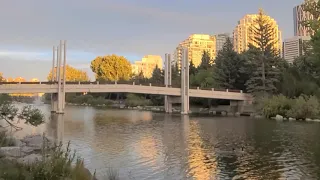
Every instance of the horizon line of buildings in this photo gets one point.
(241, 37)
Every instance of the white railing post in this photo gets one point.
(133, 83)
(149, 84)
(198, 88)
(98, 82)
(241, 91)
(212, 89)
(79, 82)
(227, 90)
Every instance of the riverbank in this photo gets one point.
(194, 110)
(38, 157)
(282, 108)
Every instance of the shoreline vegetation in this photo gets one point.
(36, 156)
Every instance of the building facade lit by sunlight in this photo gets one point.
(243, 33)
(147, 64)
(196, 44)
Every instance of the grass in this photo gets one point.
(112, 174)
(5, 140)
(56, 164)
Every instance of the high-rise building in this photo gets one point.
(299, 16)
(243, 34)
(196, 44)
(294, 47)
(147, 64)
(221, 40)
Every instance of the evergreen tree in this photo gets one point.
(157, 76)
(192, 69)
(228, 69)
(175, 75)
(205, 61)
(140, 79)
(311, 60)
(265, 73)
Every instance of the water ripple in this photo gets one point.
(143, 145)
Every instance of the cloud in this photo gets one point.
(96, 26)
(21, 54)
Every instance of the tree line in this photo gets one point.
(259, 70)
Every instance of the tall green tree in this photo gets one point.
(228, 67)
(312, 58)
(175, 75)
(192, 68)
(111, 68)
(312, 7)
(157, 76)
(203, 79)
(140, 79)
(265, 73)
(72, 74)
(205, 61)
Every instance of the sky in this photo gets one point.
(131, 28)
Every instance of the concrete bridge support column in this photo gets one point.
(58, 99)
(185, 82)
(167, 82)
(236, 106)
(54, 102)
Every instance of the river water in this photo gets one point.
(145, 145)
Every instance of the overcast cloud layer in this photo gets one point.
(133, 28)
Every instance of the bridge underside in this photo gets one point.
(121, 88)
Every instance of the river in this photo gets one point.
(145, 145)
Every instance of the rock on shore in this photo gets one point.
(26, 150)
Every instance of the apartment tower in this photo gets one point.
(196, 44)
(147, 64)
(221, 40)
(294, 47)
(243, 34)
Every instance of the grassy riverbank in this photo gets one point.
(300, 108)
(49, 163)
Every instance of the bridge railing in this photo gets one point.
(123, 82)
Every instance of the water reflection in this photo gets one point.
(55, 127)
(145, 145)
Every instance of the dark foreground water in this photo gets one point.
(146, 145)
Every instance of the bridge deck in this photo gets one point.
(50, 87)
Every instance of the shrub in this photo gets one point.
(134, 100)
(6, 140)
(99, 101)
(304, 107)
(56, 164)
(275, 105)
(88, 99)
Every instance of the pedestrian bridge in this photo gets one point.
(96, 87)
